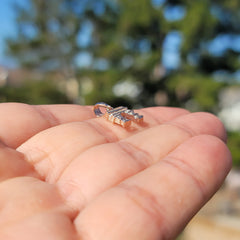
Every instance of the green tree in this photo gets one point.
(46, 37)
(130, 45)
(133, 38)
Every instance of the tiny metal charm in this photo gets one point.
(119, 115)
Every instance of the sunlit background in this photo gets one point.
(136, 53)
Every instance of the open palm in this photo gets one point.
(68, 175)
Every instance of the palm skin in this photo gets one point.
(68, 175)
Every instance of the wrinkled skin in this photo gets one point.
(68, 175)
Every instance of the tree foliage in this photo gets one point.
(129, 41)
(234, 146)
(33, 92)
(46, 37)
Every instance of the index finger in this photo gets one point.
(20, 121)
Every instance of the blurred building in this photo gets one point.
(220, 217)
(3, 76)
(15, 77)
(229, 100)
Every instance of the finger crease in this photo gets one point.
(82, 200)
(34, 162)
(181, 166)
(149, 204)
(137, 154)
(47, 115)
(103, 131)
(181, 127)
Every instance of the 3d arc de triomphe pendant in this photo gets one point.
(119, 115)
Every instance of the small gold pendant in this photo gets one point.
(119, 115)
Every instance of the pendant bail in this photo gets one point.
(97, 109)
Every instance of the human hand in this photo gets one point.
(68, 175)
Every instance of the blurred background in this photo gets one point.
(135, 53)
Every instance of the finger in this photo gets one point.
(159, 201)
(48, 225)
(52, 150)
(27, 196)
(31, 209)
(83, 169)
(13, 164)
(19, 121)
(103, 166)
(152, 116)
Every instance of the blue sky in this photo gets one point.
(7, 25)
(8, 29)
(170, 49)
